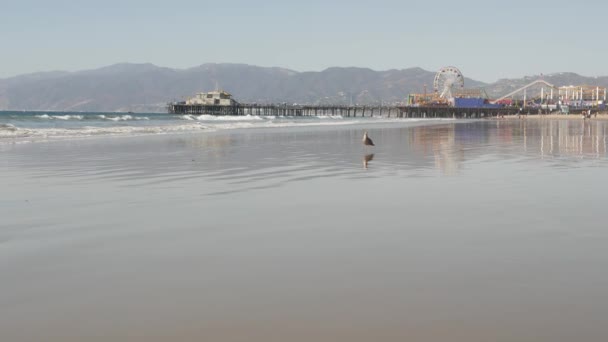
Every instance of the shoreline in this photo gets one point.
(603, 116)
(209, 127)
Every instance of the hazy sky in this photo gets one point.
(487, 41)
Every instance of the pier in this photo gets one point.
(340, 110)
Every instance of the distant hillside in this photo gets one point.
(147, 88)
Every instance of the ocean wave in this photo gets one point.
(195, 124)
(7, 127)
(212, 118)
(60, 117)
(67, 117)
(206, 117)
(279, 124)
(10, 131)
(87, 131)
(122, 117)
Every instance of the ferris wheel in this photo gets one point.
(446, 79)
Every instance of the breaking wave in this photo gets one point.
(7, 127)
(205, 117)
(122, 117)
(91, 117)
(88, 131)
(60, 117)
(35, 127)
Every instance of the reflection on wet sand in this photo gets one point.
(582, 139)
(241, 161)
(439, 142)
(554, 138)
(366, 159)
(452, 144)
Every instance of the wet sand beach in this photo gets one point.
(489, 230)
(599, 116)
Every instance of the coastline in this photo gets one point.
(602, 116)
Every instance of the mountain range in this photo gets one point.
(147, 87)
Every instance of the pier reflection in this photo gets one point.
(448, 146)
(562, 138)
(441, 144)
(585, 139)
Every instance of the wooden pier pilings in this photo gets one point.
(337, 110)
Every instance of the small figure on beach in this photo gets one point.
(367, 141)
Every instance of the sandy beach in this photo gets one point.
(599, 116)
(486, 230)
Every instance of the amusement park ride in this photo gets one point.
(449, 90)
(445, 80)
(447, 84)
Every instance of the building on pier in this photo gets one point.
(212, 98)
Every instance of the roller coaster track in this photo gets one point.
(524, 88)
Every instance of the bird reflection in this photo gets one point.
(366, 159)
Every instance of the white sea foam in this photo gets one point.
(205, 117)
(87, 131)
(329, 117)
(193, 124)
(7, 127)
(119, 118)
(67, 117)
(10, 131)
(244, 118)
(122, 117)
(60, 117)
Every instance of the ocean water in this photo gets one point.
(489, 230)
(35, 126)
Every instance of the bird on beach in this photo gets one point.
(367, 141)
